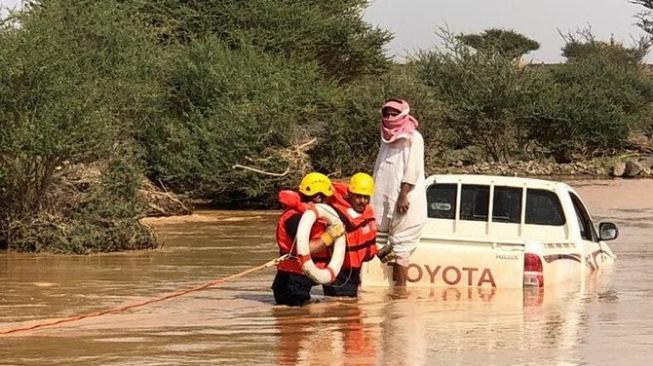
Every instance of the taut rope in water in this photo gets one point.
(53, 322)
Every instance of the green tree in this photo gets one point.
(484, 95)
(181, 91)
(349, 142)
(331, 33)
(77, 80)
(232, 107)
(583, 44)
(593, 102)
(504, 42)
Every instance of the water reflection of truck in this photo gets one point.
(538, 233)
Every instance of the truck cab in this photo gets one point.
(505, 232)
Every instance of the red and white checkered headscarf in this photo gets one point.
(399, 126)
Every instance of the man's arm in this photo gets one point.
(414, 168)
(314, 245)
(402, 202)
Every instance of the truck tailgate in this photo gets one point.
(455, 263)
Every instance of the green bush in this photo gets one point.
(102, 217)
(592, 103)
(484, 95)
(350, 142)
(181, 91)
(232, 107)
(77, 80)
(330, 33)
(504, 42)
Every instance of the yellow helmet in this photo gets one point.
(314, 183)
(361, 183)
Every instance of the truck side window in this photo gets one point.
(584, 222)
(474, 202)
(543, 208)
(506, 205)
(442, 201)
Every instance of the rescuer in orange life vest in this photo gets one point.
(291, 286)
(352, 204)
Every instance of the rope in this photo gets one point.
(53, 322)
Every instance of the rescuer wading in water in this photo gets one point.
(291, 286)
(351, 202)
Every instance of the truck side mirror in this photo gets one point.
(608, 231)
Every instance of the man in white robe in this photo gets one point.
(399, 199)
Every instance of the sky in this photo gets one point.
(414, 22)
(8, 4)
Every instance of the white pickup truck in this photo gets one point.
(538, 233)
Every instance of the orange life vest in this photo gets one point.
(360, 229)
(285, 241)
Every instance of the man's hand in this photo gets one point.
(386, 254)
(332, 233)
(402, 204)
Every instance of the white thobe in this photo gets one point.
(401, 161)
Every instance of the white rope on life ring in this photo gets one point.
(320, 275)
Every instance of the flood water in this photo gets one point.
(606, 319)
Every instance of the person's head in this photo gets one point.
(315, 187)
(394, 107)
(396, 121)
(359, 191)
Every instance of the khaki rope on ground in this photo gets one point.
(53, 322)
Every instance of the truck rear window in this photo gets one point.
(442, 201)
(543, 208)
(506, 206)
(474, 202)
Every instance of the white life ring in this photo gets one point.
(319, 275)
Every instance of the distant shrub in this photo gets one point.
(504, 42)
(591, 103)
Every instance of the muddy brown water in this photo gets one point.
(606, 319)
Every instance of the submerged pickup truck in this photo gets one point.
(505, 232)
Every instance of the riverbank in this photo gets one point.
(630, 165)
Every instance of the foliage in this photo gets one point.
(593, 101)
(92, 217)
(331, 33)
(349, 144)
(230, 107)
(181, 91)
(583, 44)
(645, 17)
(589, 105)
(506, 43)
(76, 81)
(484, 94)
(188, 92)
